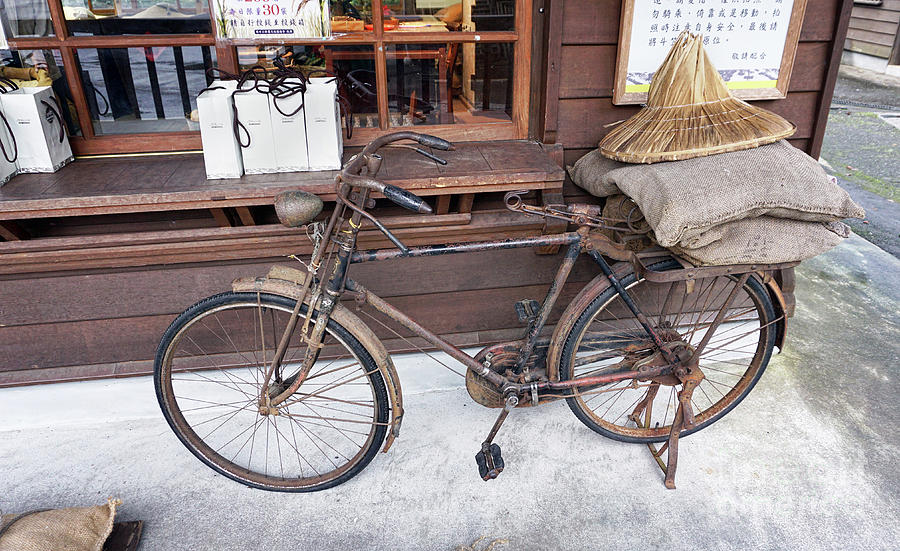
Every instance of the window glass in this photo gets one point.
(118, 17)
(133, 90)
(26, 18)
(452, 83)
(27, 68)
(449, 15)
(353, 65)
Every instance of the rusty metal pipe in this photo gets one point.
(534, 329)
(465, 247)
(606, 379)
(453, 351)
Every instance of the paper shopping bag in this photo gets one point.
(323, 124)
(221, 152)
(9, 151)
(288, 113)
(35, 117)
(254, 127)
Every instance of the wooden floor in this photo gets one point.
(178, 182)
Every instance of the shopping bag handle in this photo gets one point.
(55, 112)
(7, 85)
(12, 137)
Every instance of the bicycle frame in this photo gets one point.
(339, 283)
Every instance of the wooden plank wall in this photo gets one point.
(581, 66)
(96, 324)
(873, 29)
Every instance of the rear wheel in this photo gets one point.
(607, 338)
(209, 371)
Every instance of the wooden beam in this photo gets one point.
(221, 217)
(465, 202)
(11, 231)
(443, 204)
(246, 216)
(837, 50)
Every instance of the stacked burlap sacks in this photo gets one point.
(765, 205)
(72, 529)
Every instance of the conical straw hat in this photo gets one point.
(691, 113)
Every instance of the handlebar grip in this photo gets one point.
(406, 199)
(435, 142)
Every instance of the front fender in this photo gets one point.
(288, 282)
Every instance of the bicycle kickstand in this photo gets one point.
(684, 419)
(489, 461)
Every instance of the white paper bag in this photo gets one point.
(323, 124)
(9, 153)
(36, 120)
(255, 126)
(221, 152)
(288, 115)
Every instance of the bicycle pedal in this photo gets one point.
(490, 464)
(527, 309)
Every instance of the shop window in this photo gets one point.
(124, 17)
(134, 67)
(450, 15)
(452, 83)
(353, 66)
(137, 90)
(27, 68)
(26, 18)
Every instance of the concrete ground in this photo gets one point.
(862, 149)
(808, 461)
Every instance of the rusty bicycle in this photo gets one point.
(279, 385)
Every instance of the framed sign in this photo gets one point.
(752, 43)
(271, 19)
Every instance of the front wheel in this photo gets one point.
(607, 338)
(209, 371)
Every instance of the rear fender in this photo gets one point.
(781, 309)
(289, 283)
(600, 284)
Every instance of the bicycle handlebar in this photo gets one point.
(406, 199)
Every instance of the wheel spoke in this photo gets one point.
(326, 432)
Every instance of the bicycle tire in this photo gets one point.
(216, 325)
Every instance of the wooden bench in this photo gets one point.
(178, 182)
(108, 189)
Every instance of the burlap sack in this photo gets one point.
(683, 199)
(765, 239)
(72, 529)
(590, 171)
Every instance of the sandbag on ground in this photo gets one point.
(72, 529)
(684, 199)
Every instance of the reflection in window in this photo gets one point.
(26, 18)
(118, 17)
(28, 68)
(133, 90)
(449, 15)
(353, 65)
(449, 83)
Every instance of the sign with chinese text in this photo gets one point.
(751, 42)
(272, 19)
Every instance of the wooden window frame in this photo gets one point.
(226, 59)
